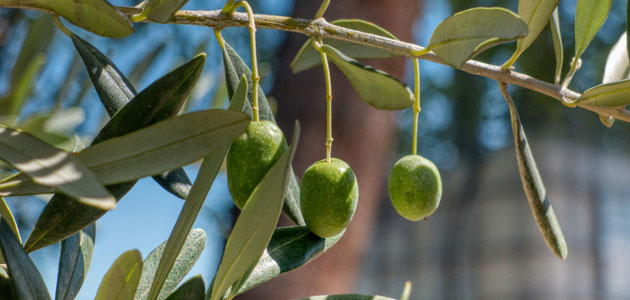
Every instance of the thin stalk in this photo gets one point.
(62, 27)
(322, 9)
(416, 107)
(329, 138)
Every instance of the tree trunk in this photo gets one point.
(363, 137)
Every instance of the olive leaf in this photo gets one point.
(255, 225)
(617, 63)
(190, 252)
(26, 279)
(347, 297)
(193, 289)
(558, 49)
(589, 18)
(235, 67)
(21, 184)
(60, 217)
(536, 14)
(121, 280)
(74, 262)
(50, 166)
(289, 248)
(612, 94)
(375, 87)
(207, 173)
(6, 284)
(96, 16)
(459, 37)
(161, 10)
(308, 57)
(7, 216)
(535, 190)
(115, 91)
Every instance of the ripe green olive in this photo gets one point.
(415, 187)
(328, 197)
(251, 156)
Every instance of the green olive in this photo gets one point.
(328, 197)
(415, 187)
(251, 156)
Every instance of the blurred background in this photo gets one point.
(482, 243)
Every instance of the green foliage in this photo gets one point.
(193, 289)
(122, 278)
(161, 10)
(74, 262)
(589, 18)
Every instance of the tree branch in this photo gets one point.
(321, 28)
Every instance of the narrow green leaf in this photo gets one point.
(536, 14)
(614, 94)
(617, 64)
(115, 91)
(74, 262)
(61, 218)
(21, 184)
(23, 87)
(289, 249)
(6, 284)
(308, 57)
(162, 10)
(347, 297)
(558, 49)
(50, 166)
(27, 281)
(121, 280)
(535, 190)
(459, 36)
(190, 252)
(7, 216)
(589, 18)
(207, 173)
(163, 146)
(255, 225)
(96, 16)
(193, 289)
(235, 67)
(375, 87)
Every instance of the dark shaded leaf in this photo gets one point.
(121, 280)
(115, 91)
(235, 67)
(74, 262)
(193, 289)
(255, 225)
(207, 173)
(7, 216)
(27, 281)
(308, 57)
(375, 87)
(96, 16)
(190, 252)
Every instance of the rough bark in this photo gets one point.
(363, 137)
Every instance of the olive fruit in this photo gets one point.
(328, 197)
(250, 156)
(415, 187)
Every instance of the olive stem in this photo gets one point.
(217, 34)
(329, 138)
(62, 27)
(322, 9)
(416, 107)
(252, 40)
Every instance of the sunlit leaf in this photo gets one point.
(535, 190)
(375, 87)
(190, 252)
(617, 64)
(255, 225)
(50, 166)
(27, 281)
(162, 10)
(459, 36)
(558, 49)
(235, 67)
(74, 262)
(121, 280)
(308, 57)
(97, 16)
(207, 173)
(589, 18)
(536, 14)
(609, 94)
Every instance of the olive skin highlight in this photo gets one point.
(328, 197)
(250, 157)
(415, 187)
